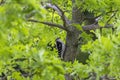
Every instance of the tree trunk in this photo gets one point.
(72, 37)
(71, 45)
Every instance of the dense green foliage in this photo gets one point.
(24, 50)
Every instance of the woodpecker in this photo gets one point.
(60, 47)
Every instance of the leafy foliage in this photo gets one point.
(104, 54)
(24, 54)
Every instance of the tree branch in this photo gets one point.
(91, 27)
(96, 26)
(47, 23)
(60, 13)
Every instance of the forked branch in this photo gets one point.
(59, 11)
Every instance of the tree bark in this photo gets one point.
(72, 39)
(72, 36)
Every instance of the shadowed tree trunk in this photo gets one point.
(72, 37)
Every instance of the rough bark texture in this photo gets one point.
(71, 45)
(72, 37)
(77, 15)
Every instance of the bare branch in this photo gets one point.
(48, 23)
(60, 13)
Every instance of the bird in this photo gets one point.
(60, 48)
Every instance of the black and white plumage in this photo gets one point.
(60, 47)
